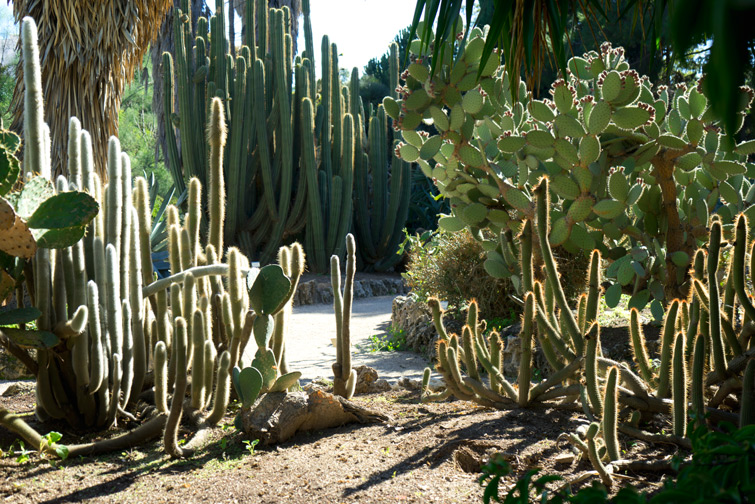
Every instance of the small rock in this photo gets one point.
(564, 458)
(409, 384)
(18, 388)
(381, 385)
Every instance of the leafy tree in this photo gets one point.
(138, 127)
(375, 83)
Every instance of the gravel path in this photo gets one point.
(310, 350)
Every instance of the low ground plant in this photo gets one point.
(449, 265)
(719, 470)
(392, 341)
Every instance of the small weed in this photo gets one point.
(23, 456)
(499, 323)
(537, 375)
(250, 445)
(393, 341)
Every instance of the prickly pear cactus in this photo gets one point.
(635, 172)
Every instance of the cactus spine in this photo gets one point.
(610, 414)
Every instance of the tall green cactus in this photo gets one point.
(345, 377)
(381, 209)
(291, 166)
(258, 161)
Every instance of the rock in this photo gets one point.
(277, 416)
(366, 378)
(415, 319)
(11, 368)
(320, 291)
(326, 295)
(409, 384)
(368, 381)
(305, 293)
(18, 388)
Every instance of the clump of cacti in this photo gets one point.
(683, 387)
(296, 177)
(103, 320)
(635, 172)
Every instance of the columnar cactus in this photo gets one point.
(625, 161)
(279, 187)
(95, 335)
(381, 210)
(345, 377)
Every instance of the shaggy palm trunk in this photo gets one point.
(89, 53)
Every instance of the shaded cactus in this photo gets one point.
(278, 188)
(345, 377)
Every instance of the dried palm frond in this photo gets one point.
(89, 53)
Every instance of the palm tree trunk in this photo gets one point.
(89, 53)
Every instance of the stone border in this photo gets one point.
(321, 292)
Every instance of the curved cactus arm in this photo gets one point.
(170, 437)
(222, 390)
(345, 377)
(542, 195)
(679, 387)
(697, 385)
(638, 346)
(667, 343)
(603, 471)
(610, 414)
(591, 369)
(526, 336)
(714, 244)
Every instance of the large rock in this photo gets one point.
(415, 319)
(277, 416)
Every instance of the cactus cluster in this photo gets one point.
(296, 162)
(103, 321)
(706, 344)
(635, 172)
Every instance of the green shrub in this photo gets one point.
(450, 266)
